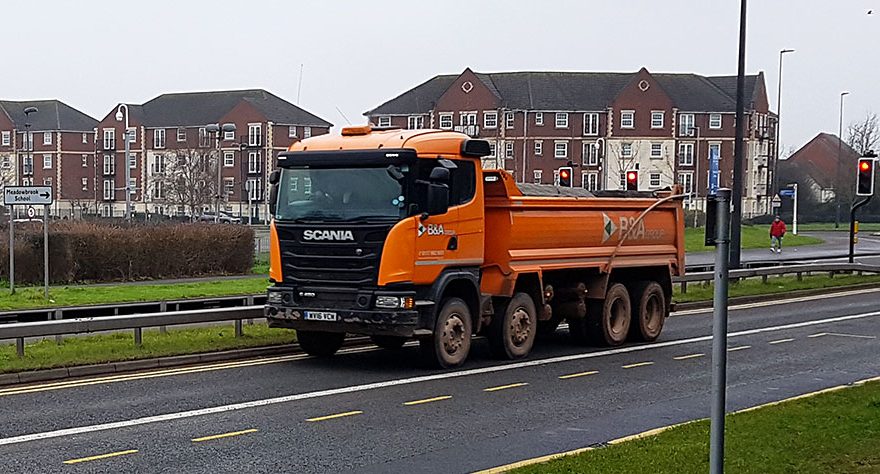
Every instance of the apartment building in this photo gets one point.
(51, 145)
(173, 125)
(666, 126)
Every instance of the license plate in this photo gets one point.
(319, 316)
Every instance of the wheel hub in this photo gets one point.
(520, 326)
(453, 334)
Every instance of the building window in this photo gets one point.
(85, 184)
(158, 164)
(159, 138)
(255, 188)
(561, 120)
(657, 119)
(132, 135)
(203, 137)
(255, 134)
(686, 180)
(5, 138)
(686, 125)
(539, 118)
(508, 120)
(307, 132)
(623, 180)
(490, 120)
(508, 147)
(85, 137)
(491, 148)
(591, 154)
(109, 138)
(132, 161)
(590, 181)
(538, 174)
(85, 161)
(47, 138)
(656, 150)
(181, 134)
(228, 186)
(446, 121)
(109, 165)
(715, 150)
(415, 122)
(626, 149)
(539, 147)
(254, 162)
(686, 154)
(228, 136)
(384, 121)
(228, 159)
(715, 121)
(291, 131)
(654, 180)
(47, 162)
(108, 189)
(591, 123)
(560, 150)
(158, 190)
(132, 186)
(627, 119)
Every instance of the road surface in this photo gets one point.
(368, 410)
(836, 244)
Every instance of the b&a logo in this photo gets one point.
(608, 227)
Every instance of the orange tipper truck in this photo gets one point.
(400, 234)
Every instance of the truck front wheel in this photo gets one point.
(512, 332)
(320, 343)
(450, 344)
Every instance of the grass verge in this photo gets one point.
(784, 284)
(753, 237)
(32, 297)
(116, 347)
(844, 226)
(835, 432)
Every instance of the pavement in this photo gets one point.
(835, 247)
(369, 410)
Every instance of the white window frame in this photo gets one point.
(591, 123)
(85, 137)
(539, 147)
(492, 149)
(228, 185)
(291, 131)
(255, 134)
(651, 179)
(560, 149)
(659, 153)
(709, 150)
(539, 119)
(159, 138)
(508, 120)
(6, 139)
(686, 154)
(686, 180)
(109, 138)
(181, 134)
(537, 175)
(158, 164)
(415, 122)
(109, 164)
(85, 184)
(132, 161)
(384, 121)
(159, 190)
(132, 186)
(108, 189)
(228, 136)
(47, 138)
(445, 121)
(132, 134)
(85, 161)
(626, 149)
(254, 162)
(508, 149)
(715, 121)
(307, 132)
(686, 125)
(658, 119)
(47, 162)
(590, 180)
(590, 156)
(561, 120)
(228, 159)
(628, 119)
(490, 120)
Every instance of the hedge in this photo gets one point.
(93, 252)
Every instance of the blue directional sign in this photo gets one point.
(713, 171)
(786, 193)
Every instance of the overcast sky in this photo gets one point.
(356, 55)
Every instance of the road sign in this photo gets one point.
(27, 195)
(31, 213)
(714, 172)
(786, 193)
(776, 202)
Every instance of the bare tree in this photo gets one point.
(186, 177)
(864, 135)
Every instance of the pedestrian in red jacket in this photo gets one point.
(777, 232)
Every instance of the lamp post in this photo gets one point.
(837, 187)
(773, 181)
(216, 129)
(27, 127)
(600, 160)
(127, 163)
(696, 181)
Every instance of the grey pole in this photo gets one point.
(127, 171)
(738, 147)
(46, 251)
(837, 184)
(11, 251)
(719, 333)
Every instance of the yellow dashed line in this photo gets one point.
(100, 456)
(738, 348)
(504, 387)
(224, 435)
(689, 356)
(780, 341)
(580, 374)
(427, 400)
(338, 415)
(639, 364)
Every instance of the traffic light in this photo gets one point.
(565, 176)
(632, 180)
(865, 180)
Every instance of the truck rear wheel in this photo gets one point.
(512, 332)
(320, 343)
(609, 320)
(649, 312)
(450, 344)
(391, 343)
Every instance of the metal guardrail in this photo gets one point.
(766, 272)
(20, 331)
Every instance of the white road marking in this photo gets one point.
(780, 341)
(407, 381)
(763, 304)
(838, 334)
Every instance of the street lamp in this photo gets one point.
(216, 129)
(27, 127)
(28, 138)
(126, 138)
(696, 180)
(601, 159)
(773, 181)
(839, 143)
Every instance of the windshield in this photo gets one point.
(338, 194)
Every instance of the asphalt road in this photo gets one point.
(354, 412)
(836, 244)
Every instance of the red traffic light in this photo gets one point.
(631, 176)
(564, 174)
(865, 177)
(864, 166)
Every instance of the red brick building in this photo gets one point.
(817, 164)
(265, 125)
(59, 152)
(663, 125)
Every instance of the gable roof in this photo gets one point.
(52, 115)
(200, 108)
(818, 158)
(547, 90)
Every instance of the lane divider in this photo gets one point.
(637, 364)
(409, 381)
(738, 348)
(689, 356)
(820, 334)
(580, 374)
(224, 435)
(333, 417)
(427, 400)
(781, 341)
(101, 456)
(858, 336)
(505, 387)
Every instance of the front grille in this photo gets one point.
(353, 263)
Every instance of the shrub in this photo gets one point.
(88, 251)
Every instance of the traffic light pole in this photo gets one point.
(852, 226)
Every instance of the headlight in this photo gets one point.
(274, 297)
(391, 302)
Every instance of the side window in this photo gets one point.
(464, 183)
